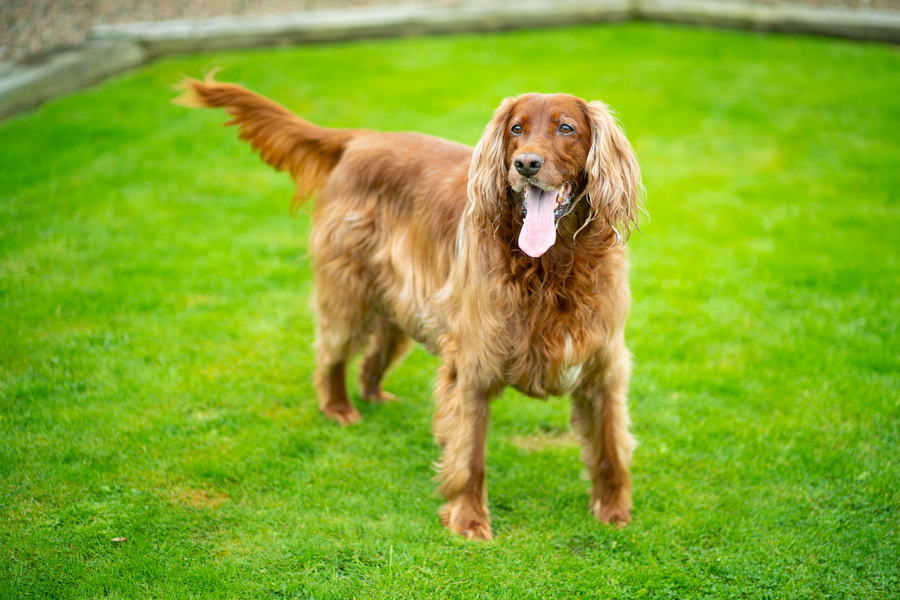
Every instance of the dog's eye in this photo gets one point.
(566, 129)
(516, 129)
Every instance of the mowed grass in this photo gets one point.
(156, 337)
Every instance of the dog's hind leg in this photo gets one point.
(333, 400)
(341, 329)
(600, 417)
(387, 345)
(333, 348)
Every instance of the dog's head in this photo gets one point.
(557, 163)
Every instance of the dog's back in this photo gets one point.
(389, 213)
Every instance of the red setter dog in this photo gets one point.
(505, 260)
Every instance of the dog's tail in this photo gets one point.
(284, 140)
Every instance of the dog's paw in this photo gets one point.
(378, 396)
(344, 414)
(611, 514)
(466, 522)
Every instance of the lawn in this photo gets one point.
(156, 330)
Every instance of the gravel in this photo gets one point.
(31, 28)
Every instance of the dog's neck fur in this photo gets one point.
(568, 267)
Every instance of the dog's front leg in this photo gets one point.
(600, 417)
(460, 425)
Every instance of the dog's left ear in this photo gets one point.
(487, 172)
(613, 175)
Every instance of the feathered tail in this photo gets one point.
(284, 140)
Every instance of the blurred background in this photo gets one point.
(34, 27)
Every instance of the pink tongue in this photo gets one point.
(539, 228)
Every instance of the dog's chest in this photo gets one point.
(568, 372)
(555, 366)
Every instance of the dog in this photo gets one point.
(506, 260)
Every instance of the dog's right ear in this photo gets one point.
(487, 172)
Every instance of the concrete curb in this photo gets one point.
(199, 35)
(24, 86)
(873, 25)
(111, 49)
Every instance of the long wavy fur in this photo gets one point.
(415, 238)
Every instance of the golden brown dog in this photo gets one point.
(507, 261)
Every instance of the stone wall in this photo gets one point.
(35, 27)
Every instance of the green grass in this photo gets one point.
(155, 337)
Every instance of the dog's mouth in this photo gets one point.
(543, 209)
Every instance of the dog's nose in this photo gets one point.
(528, 164)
